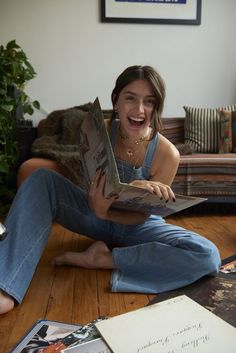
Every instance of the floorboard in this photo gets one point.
(77, 295)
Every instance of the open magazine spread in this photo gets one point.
(97, 154)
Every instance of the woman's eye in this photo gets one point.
(150, 102)
(130, 98)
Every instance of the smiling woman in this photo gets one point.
(146, 254)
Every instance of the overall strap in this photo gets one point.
(151, 151)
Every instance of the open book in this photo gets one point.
(97, 153)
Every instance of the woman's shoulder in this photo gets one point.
(166, 147)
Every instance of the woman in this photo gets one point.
(146, 254)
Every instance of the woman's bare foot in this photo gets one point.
(6, 302)
(96, 256)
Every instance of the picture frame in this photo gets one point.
(173, 12)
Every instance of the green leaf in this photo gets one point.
(12, 45)
(7, 107)
(28, 109)
(36, 104)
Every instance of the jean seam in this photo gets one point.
(28, 254)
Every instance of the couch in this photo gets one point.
(208, 175)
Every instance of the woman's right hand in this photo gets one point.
(98, 203)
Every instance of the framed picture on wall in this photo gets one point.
(183, 12)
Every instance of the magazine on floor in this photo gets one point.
(97, 154)
(47, 336)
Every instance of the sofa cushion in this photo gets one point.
(227, 131)
(207, 175)
(202, 128)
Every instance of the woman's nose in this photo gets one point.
(140, 106)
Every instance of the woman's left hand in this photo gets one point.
(98, 203)
(163, 191)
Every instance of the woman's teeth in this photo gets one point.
(136, 121)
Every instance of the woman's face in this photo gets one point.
(135, 107)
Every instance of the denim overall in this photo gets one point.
(152, 257)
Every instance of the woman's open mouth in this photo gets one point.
(136, 121)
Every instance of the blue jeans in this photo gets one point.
(150, 258)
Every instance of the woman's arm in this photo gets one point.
(163, 170)
(165, 162)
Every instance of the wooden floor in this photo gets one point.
(77, 295)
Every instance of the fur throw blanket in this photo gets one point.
(59, 138)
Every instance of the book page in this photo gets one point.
(97, 152)
(140, 200)
(177, 325)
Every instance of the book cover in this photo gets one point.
(177, 325)
(97, 154)
(47, 336)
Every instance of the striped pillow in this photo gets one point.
(202, 128)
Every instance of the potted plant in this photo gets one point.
(15, 72)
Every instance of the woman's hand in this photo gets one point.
(97, 202)
(162, 191)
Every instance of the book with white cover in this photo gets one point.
(177, 325)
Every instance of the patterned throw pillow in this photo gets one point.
(202, 128)
(227, 132)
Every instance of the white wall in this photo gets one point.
(77, 57)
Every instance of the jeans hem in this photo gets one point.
(9, 292)
(115, 275)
